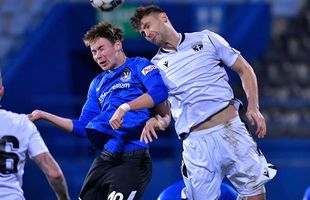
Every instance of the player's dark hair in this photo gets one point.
(103, 30)
(140, 13)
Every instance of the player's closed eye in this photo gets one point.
(143, 34)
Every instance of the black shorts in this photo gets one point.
(118, 176)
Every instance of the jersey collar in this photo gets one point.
(182, 38)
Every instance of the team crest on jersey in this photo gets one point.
(126, 75)
(166, 64)
(148, 69)
(198, 46)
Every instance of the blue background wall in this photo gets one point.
(54, 69)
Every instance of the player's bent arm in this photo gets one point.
(249, 81)
(161, 121)
(156, 93)
(61, 122)
(142, 102)
(162, 109)
(54, 174)
(162, 114)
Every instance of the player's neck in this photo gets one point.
(121, 60)
(172, 41)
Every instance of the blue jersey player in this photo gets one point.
(307, 194)
(113, 117)
(176, 191)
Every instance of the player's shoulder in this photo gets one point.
(18, 121)
(97, 79)
(13, 117)
(137, 64)
(205, 36)
(138, 61)
(199, 33)
(210, 37)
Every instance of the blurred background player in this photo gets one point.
(177, 192)
(19, 137)
(126, 85)
(307, 194)
(216, 142)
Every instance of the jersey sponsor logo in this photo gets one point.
(148, 69)
(114, 87)
(198, 46)
(125, 75)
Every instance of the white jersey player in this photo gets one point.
(215, 141)
(19, 137)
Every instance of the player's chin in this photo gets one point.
(154, 41)
(104, 67)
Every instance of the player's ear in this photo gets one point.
(118, 45)
(1, 91)
(163, 16)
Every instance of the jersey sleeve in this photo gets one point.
(225, 52)
(149, 75)
(146, 70)
(36, 144)
(89, 111)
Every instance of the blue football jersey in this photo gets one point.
(107, 92)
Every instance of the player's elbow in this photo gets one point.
(159, 93)
(55, 175)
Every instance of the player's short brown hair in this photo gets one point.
(140, 13)
(103, 30)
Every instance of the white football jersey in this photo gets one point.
(195, 77)
(18, 137)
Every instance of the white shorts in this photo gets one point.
(224, 150)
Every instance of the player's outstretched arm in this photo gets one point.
(54, 175)
(249, 83)
(61, 122)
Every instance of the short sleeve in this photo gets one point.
(146, 69)
(224, 51)
(36, 143)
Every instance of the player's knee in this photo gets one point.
(255, 197)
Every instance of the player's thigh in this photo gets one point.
(131, 179)
(246, 166)
(202, 170)
(95, 192)
(97, 182)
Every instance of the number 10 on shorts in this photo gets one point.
(119, 196)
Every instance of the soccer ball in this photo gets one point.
(106, 5)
